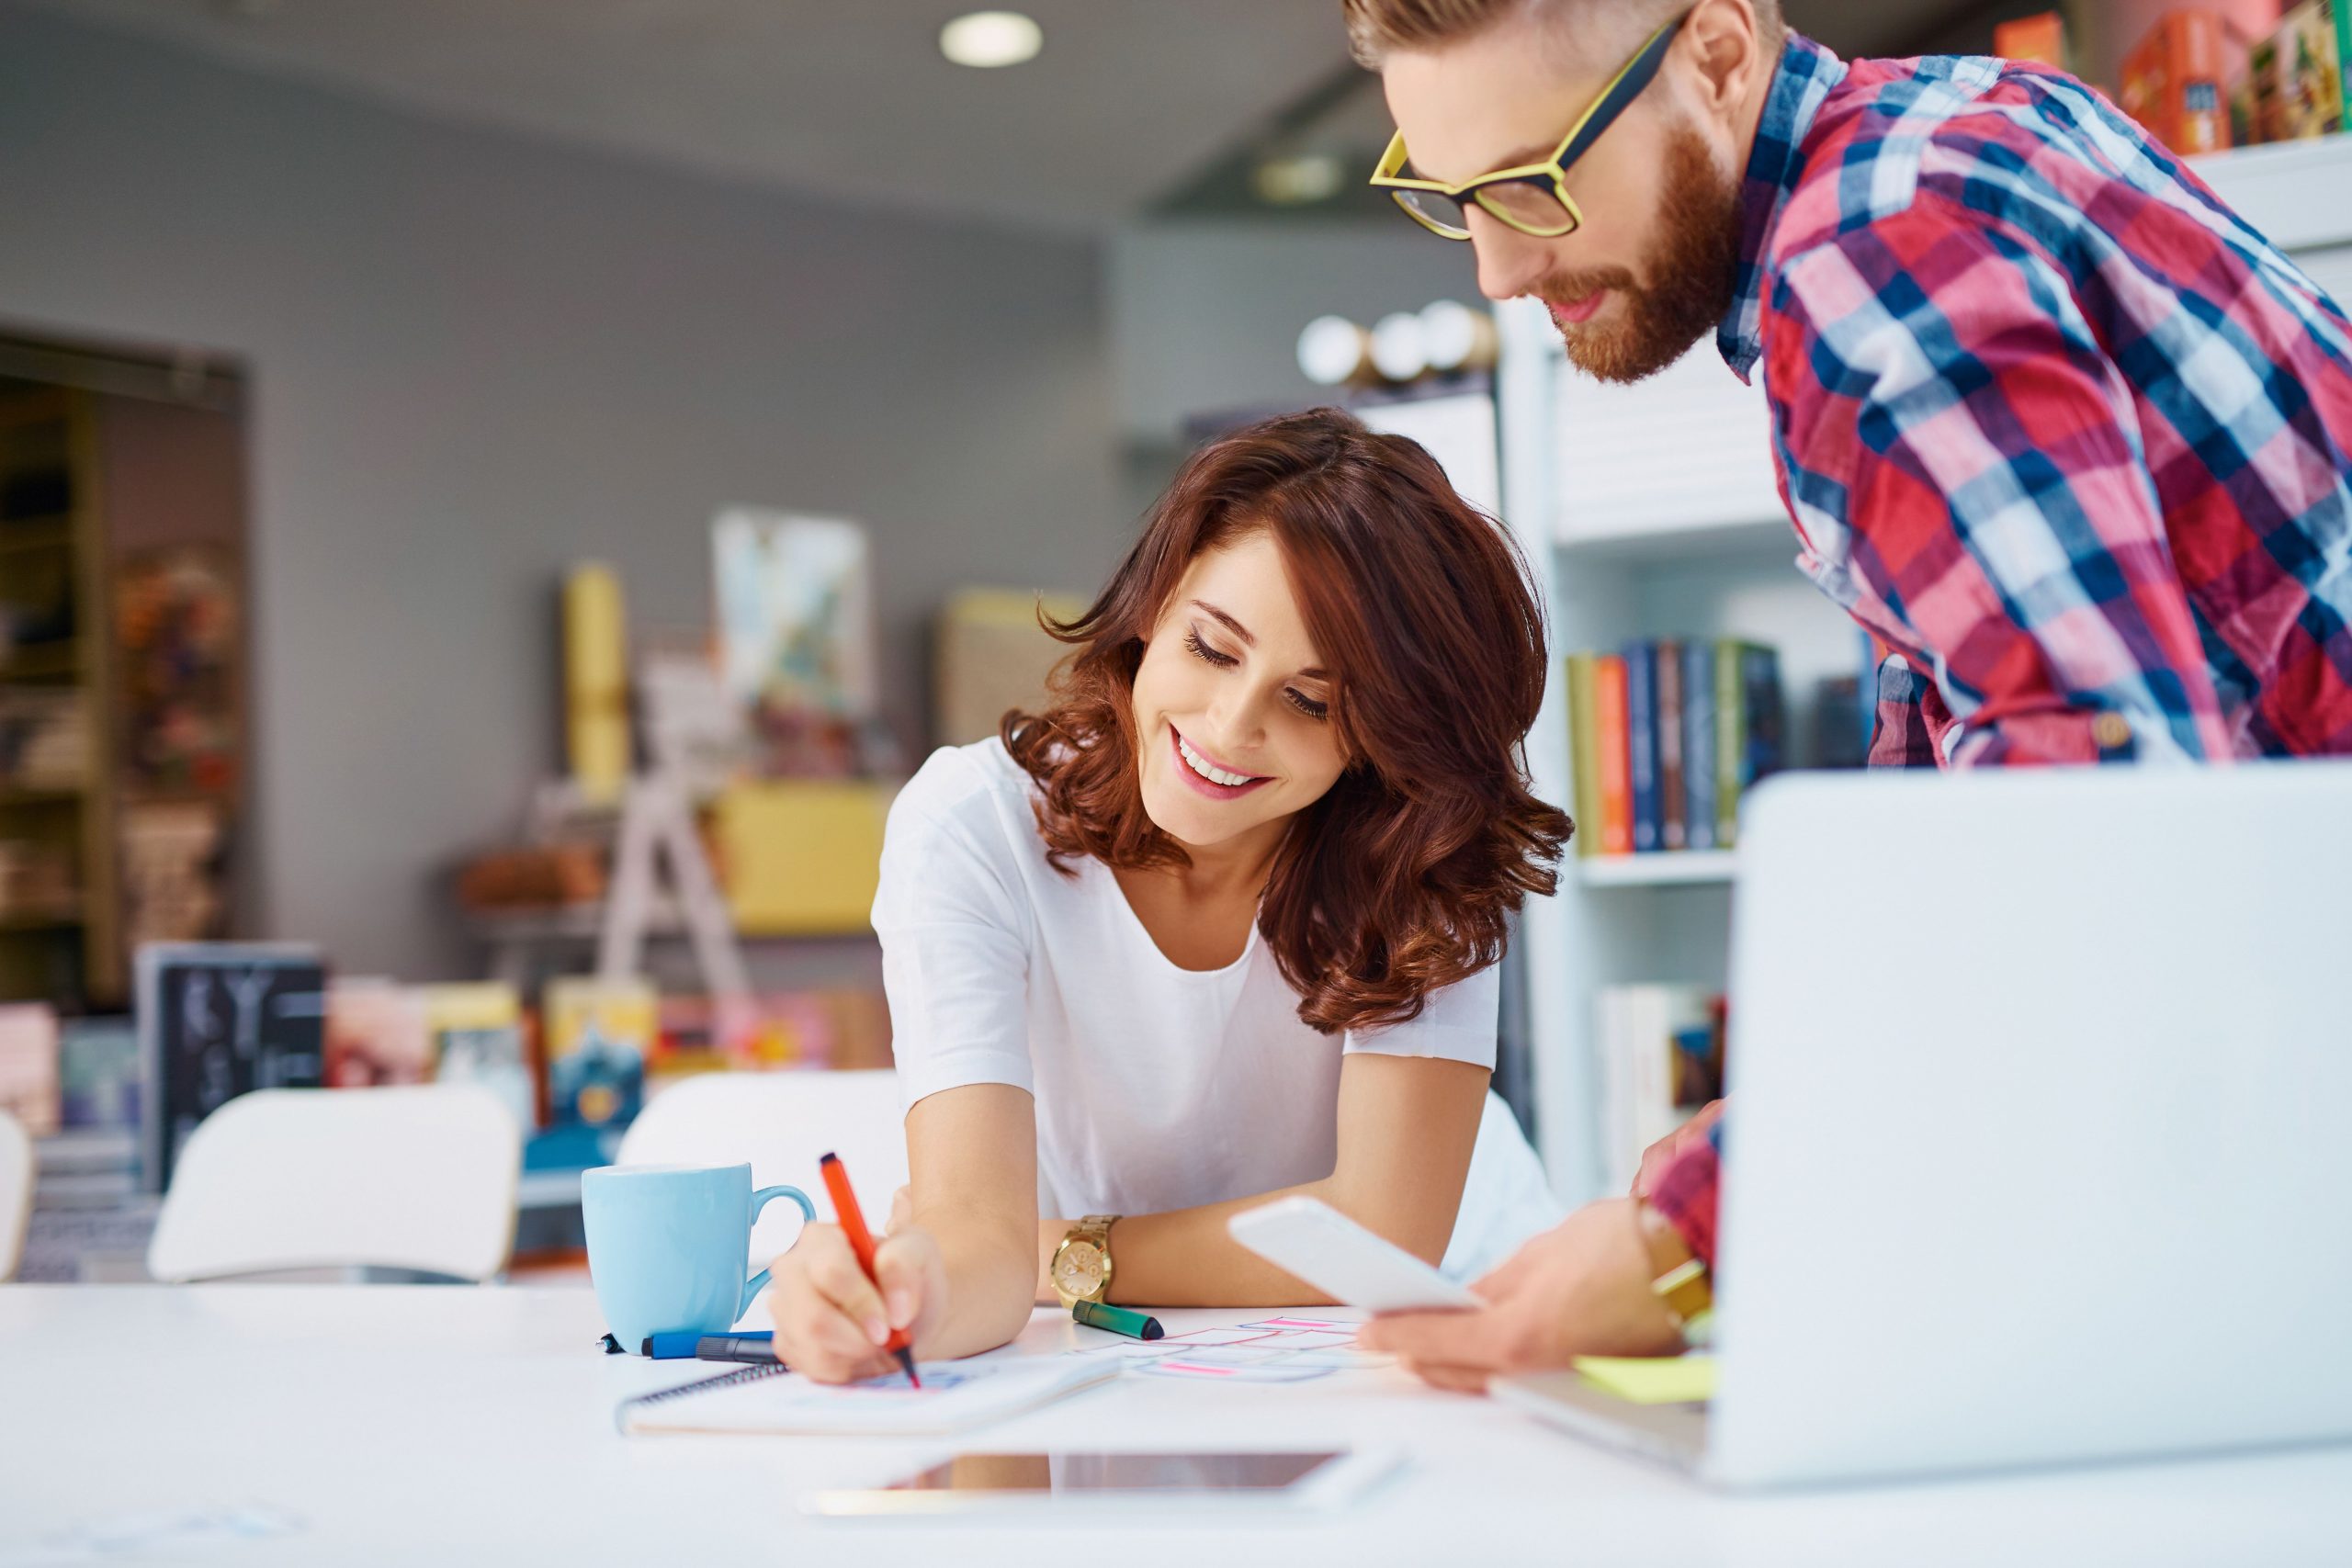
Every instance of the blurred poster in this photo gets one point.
(797, 640)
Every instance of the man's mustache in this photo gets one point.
(1567, 287)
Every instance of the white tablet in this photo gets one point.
(1310, 1481)
(1331, 1252)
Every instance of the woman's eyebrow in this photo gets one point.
(1237, 629)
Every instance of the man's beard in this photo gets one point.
(1691, 270)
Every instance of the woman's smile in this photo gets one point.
(1206, 774)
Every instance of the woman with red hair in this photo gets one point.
(1222, 923)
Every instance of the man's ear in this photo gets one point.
(1723, 40)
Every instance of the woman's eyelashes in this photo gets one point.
(1312, 708)
(1208, 655)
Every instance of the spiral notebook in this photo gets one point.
(956, 1397)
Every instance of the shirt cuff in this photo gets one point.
(1685, 1195)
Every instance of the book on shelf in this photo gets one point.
(475, 1034)
(375, 1035)
(217, 1020)
(1609, 745)
(1672, 831)
(98, 1073)
(1661, 1050)
(1699, 745)
(599, 1033)
(1584, 753)
(1667, 736)
(1641, 742)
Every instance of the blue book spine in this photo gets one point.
(1759, 674)
(1641, 740)
(1699, 744)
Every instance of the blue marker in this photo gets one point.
(692, 1344)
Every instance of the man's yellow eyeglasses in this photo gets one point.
(1533, 198)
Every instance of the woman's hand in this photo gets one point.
(832, 1321)
(1581, 1290)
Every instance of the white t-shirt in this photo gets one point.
(1157, 1088)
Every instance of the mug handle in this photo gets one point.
(761, 1199)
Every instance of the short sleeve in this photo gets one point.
(955, 936)
(1457, 1023)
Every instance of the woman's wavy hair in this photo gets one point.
(1401, 878)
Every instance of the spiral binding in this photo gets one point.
(700, 1385)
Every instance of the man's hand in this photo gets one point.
(1582, 1288)
(1659, 1156)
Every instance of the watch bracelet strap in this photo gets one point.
(1688, 1297)
(1095, 1230)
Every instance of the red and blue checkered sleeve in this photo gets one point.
(1684, 1194)
(1965, 467)
(1910, 717)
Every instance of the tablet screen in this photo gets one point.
(1099, 1472)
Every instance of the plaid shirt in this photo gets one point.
(2064, 434)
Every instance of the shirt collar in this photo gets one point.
(1801, 83)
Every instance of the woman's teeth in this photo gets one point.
(1208, 770)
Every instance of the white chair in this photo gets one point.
(16, 1192)
(780, 1122)
(414, 1177)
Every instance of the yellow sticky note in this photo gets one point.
(1651, 1380)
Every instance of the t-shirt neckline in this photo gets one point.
(1142, 933)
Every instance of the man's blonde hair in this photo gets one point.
(1378, 28)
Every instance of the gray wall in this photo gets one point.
(1205, 316)
(476, 359)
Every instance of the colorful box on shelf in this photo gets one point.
(801, 857)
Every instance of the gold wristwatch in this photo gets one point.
(1682, 1287)
(1081, 1267)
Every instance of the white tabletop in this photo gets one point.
(405, 1424)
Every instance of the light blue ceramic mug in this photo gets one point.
(666, 1245)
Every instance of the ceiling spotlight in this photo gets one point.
(1293, 182)
(986, 38)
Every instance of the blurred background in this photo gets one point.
(494, 493)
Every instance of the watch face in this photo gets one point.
(1078, 1268)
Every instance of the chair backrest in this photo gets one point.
(16, 1192)
(781, 1123)
(418, 1178)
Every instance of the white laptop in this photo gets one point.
(2040, 1140)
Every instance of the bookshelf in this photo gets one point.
(1651, 510)
(121, 664)
(58, 810)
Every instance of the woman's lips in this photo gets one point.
(1577, 310)
(1206, 786)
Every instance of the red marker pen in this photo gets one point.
(852, 1220)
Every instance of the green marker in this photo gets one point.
(1118, 1320)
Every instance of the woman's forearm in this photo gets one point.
(989, 1285)
(1407, 1128)
(1186, 1258)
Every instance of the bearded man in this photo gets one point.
(2062, 432)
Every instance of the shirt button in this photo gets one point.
(2111, 730)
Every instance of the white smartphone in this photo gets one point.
(1182, 1484)
(1309, 1238)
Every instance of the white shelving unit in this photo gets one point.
(1651, 510)
(1682, 868)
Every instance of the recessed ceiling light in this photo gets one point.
(987, 39)
(1290, 182)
